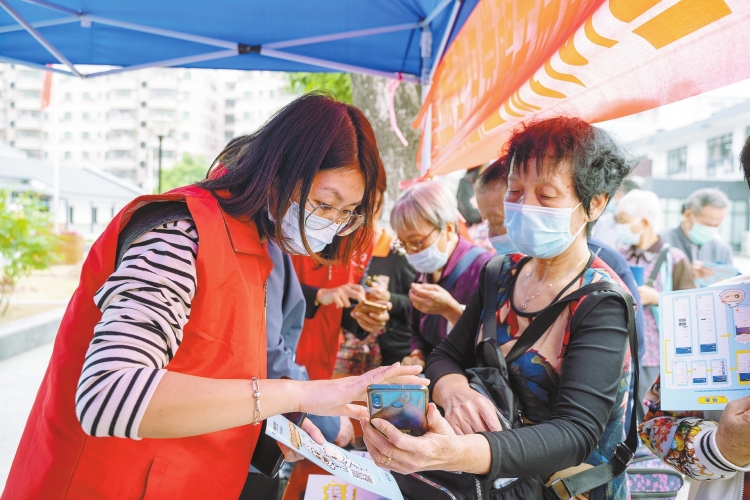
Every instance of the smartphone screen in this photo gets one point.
(682, 328)
(405, 406)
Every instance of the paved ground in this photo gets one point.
(20, 377)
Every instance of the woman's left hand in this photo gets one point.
(372, 322)
(439, 449)
(333, 397)
(649, 296)
(434, 299)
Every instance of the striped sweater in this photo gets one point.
(145, 304)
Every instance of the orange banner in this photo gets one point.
(515, 60)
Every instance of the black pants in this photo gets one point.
(258, 487)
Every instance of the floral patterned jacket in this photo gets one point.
(687, 442)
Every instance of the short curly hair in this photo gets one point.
(598, 164)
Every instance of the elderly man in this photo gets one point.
(702, 214)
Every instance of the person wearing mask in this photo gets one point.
(491, 188)
(605, 230)
(424, 218)
(638, 219)
(574, 380)
(697, 235)
(392, 341)
(157, 381)
(712, 448)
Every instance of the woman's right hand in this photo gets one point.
(466, 410)
(333, 397)
(341, 296)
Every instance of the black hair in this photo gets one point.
(597, 163)
(496, 172)
(745, 161)
(263, 171)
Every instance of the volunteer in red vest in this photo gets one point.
(156, 384)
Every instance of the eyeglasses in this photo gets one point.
(326, 216)
(412, 247)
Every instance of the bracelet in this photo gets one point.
(256, 395)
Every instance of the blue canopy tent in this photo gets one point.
(395, 39)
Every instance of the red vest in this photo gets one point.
(224, 339)
(320, 340)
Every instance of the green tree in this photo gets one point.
(26, 241)
(188, 170)
(340, 84)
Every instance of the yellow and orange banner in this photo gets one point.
(517, 60)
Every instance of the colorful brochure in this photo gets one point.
(353, 469)
(326, 487)
(705, 347)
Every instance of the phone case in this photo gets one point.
(405, 406)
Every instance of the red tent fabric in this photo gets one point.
(516, 60)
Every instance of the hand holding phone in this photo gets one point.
(404, 406)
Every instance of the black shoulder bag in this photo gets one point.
(490, 378)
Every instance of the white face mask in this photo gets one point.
(428, 260)
(316, 238)
(626, 236)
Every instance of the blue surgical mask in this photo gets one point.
(701, 234)
(626, 236)
(540, 232)
(503, 245)
(316, 238)
(428, 260)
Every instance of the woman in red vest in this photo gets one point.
(158, 370)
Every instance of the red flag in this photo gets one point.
(46, 90)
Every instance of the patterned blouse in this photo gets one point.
(536, 373)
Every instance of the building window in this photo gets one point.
(67, 136)
(68, 116)
(68, 96)
(229, 103)
(270, 93)
(229, 119)
(85, 155)
(93, 215)
(719, 154)
(677, 161)
(143, 104)
(247, 115)
(248, 95)
(185, 135)
(67, 155)
(230, 86)
(86, 116)
(86, 96)
(85, 135)
(186, 115)
(70, 215)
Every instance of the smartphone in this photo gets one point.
(371, 307)
(267, 457)
(405, 406)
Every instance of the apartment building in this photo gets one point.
(113, 123)
(704, 153)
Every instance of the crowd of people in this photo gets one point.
(275, 285)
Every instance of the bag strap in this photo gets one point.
(462, 265)
(548, 315)
(569, 487)
(147, 218)
(655, 271)
(491, 277)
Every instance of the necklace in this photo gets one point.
(526, 284)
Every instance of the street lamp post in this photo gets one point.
(161, 138)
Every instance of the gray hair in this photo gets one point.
(638, 204)
(706, 197)
(428, 201)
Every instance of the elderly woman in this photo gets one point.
(425, 220)
(638, 218)
(573, 381)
